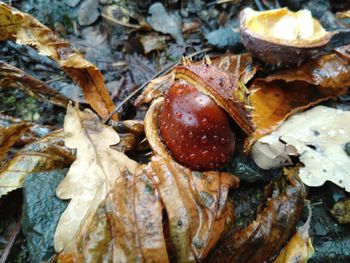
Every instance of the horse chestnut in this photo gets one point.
(196, 131)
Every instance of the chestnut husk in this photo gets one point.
(281, 53)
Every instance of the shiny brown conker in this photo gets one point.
(195, 130)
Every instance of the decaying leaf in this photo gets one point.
(129, 224)
(275, 224)
(11, 76)
(26, 30)
(273, 102)
(91, 176)
(299, 248)
(319, 136)
(341, 211)
(45, 154)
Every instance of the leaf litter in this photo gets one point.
(128, 209)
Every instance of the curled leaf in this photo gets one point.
(275, 224)
(197, 207)
(127, 225)
(91, 176)
(163, 212)
(26, 30)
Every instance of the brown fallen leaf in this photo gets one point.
(26, 30)
(91, 176)
(45, 154)
(263, 238)
(299, 248)
(196, 205)
(13, 77)
(127, 225)
(273, 102)
(131, 223)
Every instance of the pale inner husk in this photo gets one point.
(282, 25)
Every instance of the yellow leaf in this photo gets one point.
(91, 176)
(45, 154)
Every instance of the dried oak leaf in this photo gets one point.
(11, 76)
(274, 225)
(127, 226)
(162, 212)
(45, 154)
(91, 176)
(26, 30)
(319, 136)
(299, 248)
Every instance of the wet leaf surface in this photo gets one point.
(329, 70)
(299, 248)
(165, 22)
(45, 154)
(163, 212)
(274, 225)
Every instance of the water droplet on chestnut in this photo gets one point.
(194, 139)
